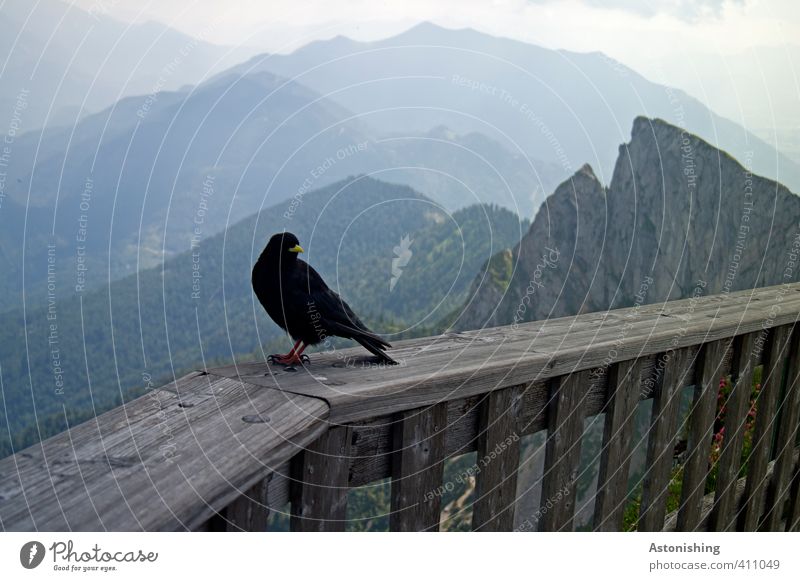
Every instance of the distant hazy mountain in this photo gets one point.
(376, 243)
(679, 218)
(67, 62)
(127, 190)
(458, 170)
(136, 177)
(558, 106)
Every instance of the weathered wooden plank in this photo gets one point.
(725, 514)
(661, 438)
(460, 365)
(462, 425)
(166, 461)
(248, 512)
(562, 451)
(32, 473)
(498, 460)
(417, 466)
(612, 483)
(701, 427)
(278, 493)
(774, 357)
(789, 418)
(372, 440)
(319, 482)
(455, 367)
(253, 510)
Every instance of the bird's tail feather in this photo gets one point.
(369, 340)
(375, 345)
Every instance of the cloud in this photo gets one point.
(688, 10)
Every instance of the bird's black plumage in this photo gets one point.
(298, 300)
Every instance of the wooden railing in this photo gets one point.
(229, 448)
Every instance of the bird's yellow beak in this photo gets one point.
(296, 248)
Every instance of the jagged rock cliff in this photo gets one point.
(679, 217)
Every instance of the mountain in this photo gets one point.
(462, 169)
(463, 116)
(679, 218)
(67, 358)
(554, 105)
(134, 179)
(66, 62)
(123, 191)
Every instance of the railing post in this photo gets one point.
(562, 451)
(498, 460)
(701, 428)
(661, 440)
(249, 512)
(418, 452)
(789, 417)
(612, 482)
(793, 520)
(774, 358)
(320, 476)
(724, 514)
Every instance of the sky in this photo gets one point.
(740, 57)
(619, 28)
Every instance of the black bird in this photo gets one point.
(298, 300)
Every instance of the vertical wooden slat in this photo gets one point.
(250, 511)
(701, 427)
(724, 514)
(562, 451)
(612, 481)
(789, 417)
(793, 520)
(319, 483)
(661, 439)
(418, 452)
(774, 357)
(498, 460)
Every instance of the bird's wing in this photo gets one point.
(336, 315)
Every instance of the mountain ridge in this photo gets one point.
(678, 217)
(586, 99)
(105, 59)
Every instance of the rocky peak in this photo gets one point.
(582, 184)
(538, 270)
(586, 171)
(678, 215)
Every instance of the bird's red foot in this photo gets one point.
(289, 359)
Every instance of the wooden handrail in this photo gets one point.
(220, 448)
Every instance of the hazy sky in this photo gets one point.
(701, 46)
(630, 30)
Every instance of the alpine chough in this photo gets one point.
(298, 300)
